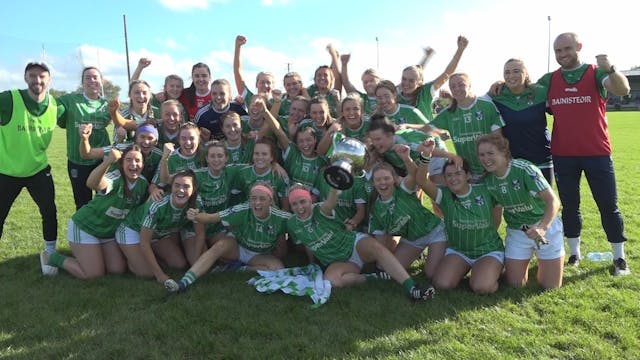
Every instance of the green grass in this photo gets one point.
(593, 316)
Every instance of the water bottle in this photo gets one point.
(600, 256)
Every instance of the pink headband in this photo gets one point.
(299, 192)
(263, 188)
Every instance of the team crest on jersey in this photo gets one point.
(271, 230)
(402, 120)
(516, 184)
(305, 167)
(479, 200)
(392, 208)
(479, 116)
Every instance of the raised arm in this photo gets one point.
(335, 67)
(404, 152)
(616, 83)
(428, 55)
(453, 64)
(273, 125)
(330, 202)
(237, 64)
(346, 83)
(142, 64)
(117, 118)
(86, 151)
(96, 180)
(422, 174)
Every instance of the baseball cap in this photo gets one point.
(32, 65)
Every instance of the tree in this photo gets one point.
(57, 93)
(111, 90)
(637, 67)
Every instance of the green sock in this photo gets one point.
(188, 278)
(408, 285)
(56, 259)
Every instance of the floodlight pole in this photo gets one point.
(126, 46)
(549, 45)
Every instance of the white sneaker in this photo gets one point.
(171, 285)
(47, 270)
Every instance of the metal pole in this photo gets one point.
(377, 54)
(126, 45)
(549, 46)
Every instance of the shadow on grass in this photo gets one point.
(220, 316)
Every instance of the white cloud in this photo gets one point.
(187, 5)
(171, 43)
(274, 2)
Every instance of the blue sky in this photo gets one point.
(175, 34)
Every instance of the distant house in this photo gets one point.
(631, 101)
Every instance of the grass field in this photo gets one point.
(593, 316)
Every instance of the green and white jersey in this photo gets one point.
(104, 213)
(167, 138)
(285, 105)
(517, 192)
(150, 162)
(76, 109)
(240, 154)
(215, 191)
(313, 91)
(259, 235)
(424, 100)
(178, 162)
(402, 215)
(247, 176)
(407, 114)
(300, 168)
(284, 124)
(324, 236)
(162, 216)
(151, 116)
(467, 124)
(319, 132)
(347, 199)
(468, 219)
(370, 104)
(361, 132)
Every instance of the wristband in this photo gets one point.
(424, 160)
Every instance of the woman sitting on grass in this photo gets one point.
(397, 211)
(254, 231)
(340, 251)
(153, 230)
(530, 209)
(92, 228)
(473, 244)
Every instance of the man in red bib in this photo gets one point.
(580, 142)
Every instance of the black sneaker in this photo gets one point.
(419, 293)
(574, 261)
(620, 267)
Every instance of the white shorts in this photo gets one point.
(436, 235)
(245, 255)
(519, 247)
(498, 255)
(127, 236)
(355, 257)
(78, 236)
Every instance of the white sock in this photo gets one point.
(618, 250)
(50, 246)
(574, 246)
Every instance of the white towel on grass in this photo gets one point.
(301, 281)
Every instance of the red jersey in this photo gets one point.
(580, 123)
(199, 102)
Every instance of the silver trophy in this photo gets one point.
(347, 157)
